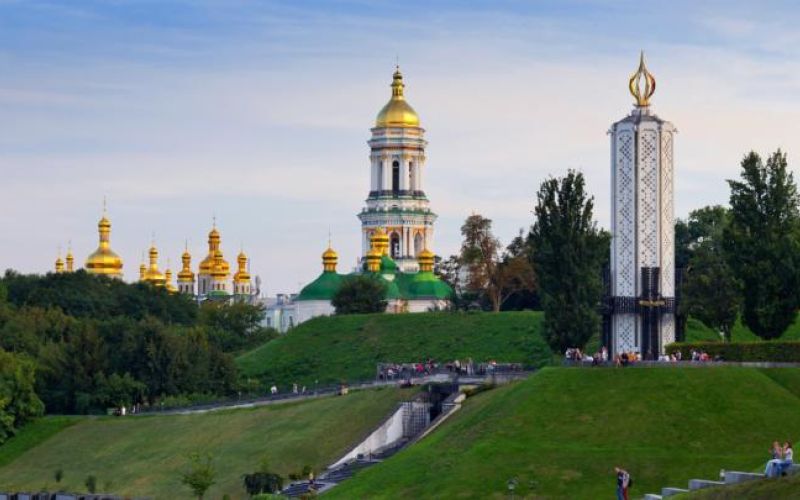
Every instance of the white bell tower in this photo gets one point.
(396, 200)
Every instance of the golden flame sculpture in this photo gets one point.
(642, 84)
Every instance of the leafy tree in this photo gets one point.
(761, 242)
(702, 224)
(495, 272)
(711, 292)
(360, 294)
(200, 475)
(568, 254)
(19, 403)
(236, 326)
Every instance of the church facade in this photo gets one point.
(640, 303)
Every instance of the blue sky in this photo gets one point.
(259, 112)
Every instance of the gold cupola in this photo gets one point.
(59, 263)
(153, 275)
(70, 260)
(373, 260)
(186, 275)
(104, 260)
(213, 246)
(397, 112)
(426, 259)
(242, 275)
(380, 241)
(642, 84)
(168, 279)
(329, 259)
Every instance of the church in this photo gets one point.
(214, 280)
(396, 226)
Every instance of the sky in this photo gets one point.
(258, 113)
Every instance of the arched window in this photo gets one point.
(418, 244)
(395, 245)
(395, 177)
(412, 176)
(379, 174)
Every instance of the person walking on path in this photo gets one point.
(623, 482)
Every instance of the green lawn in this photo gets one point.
(144, 456)
(32, 435)
(561, 432)
(331, 349)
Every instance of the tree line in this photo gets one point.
(78, 343)
(741, 261)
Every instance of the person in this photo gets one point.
(623, 480)
(788, 458)
(273, 390)
(774, 464)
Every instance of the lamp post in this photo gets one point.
(512, 484)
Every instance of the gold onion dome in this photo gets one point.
(104, 260)
(426, 259)
(329, 259)
(241, 276)
(70, 261)
(153, 275)
(168, 279)
(397, 112)
(59, 264)
(207, 264)
(186, 275)
(380, 241)
(642, 84)
(374, 260)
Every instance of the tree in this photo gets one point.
(91, 483)
(19, 403)
(702, 224)
(200, 475)
(360, 294)
(492, 270)
(568, 254)
(711, 292)
(762, 243)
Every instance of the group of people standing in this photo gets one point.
(782, 459)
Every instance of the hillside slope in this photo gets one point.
(331, 349)
(561, 433)
(144, 456)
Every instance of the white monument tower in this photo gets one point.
(640, 310)
(397, 201)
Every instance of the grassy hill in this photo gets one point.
(697, 331)
(144, 456)
(331, 349)
(561, 432)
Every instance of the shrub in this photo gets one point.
(773, 351)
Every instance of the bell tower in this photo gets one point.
(396, 200)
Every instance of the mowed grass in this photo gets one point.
(337, 348)
(144, 456)
(32, 435)
(561, 433)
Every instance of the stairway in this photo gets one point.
(728, 477)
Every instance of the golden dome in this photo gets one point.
(153, 275)
(59, 265)
(374, 260)
(168, 281)
(70, 261)
(397, 112)
(104, 260)
(426, 259)
(220, 269)
(380, 241)
(329, 260)
(214, 239)
(186, 275)
(241, 276)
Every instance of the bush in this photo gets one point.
(773, 351)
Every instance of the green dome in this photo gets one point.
(322, 288)
(388, 265)
(426, 285)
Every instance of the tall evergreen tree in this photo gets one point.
(568, 253)
(762, 245)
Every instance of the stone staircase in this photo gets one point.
(728, 477)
